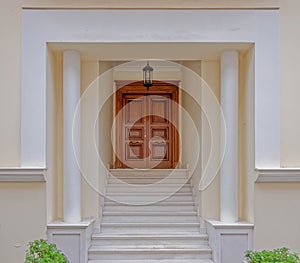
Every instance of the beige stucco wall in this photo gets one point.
(89, 197)
(22, 218)
(246, 137)
(53, 105)
(54, 137)
(10, 82)
(277, 216)
(210, 197)
(290, 79)
(190, 83)
(191, 124)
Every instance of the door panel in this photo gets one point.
(135, 109)
(134, 151)
(160, 152)
(160, 132)
(135, 133)
(134, 128)
(160, 111)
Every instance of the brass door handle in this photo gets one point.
(133, 143)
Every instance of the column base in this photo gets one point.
(229, 241)
(72, 239)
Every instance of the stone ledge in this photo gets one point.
(222, 225)
(278, 175)
(59, 224)
(22, 174)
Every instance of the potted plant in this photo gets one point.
(278, 255)
(42, 252)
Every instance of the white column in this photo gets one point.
(71, 96)
(229, 104)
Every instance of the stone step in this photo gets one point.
(132, 228)
(142, 184)
(150, 213)
(149, 186)
(141, 198)
(153, 173)
(150, 239)
(146, 180)
(126, 188)
(152, 261)
(141, 194)
(159, 207)
(162, 203)
(149, 218)
(148, 252)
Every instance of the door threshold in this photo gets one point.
(148, 169)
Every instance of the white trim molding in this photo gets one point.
(19, 174)
(280, 175)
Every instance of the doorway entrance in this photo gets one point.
(147, 125)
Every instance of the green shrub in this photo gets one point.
(42, 252)
(277, 255)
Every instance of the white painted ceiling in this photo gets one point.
(136, 51)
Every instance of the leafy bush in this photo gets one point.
(42, 252)
(277, 255)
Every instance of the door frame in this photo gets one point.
(136, 87)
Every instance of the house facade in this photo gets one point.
(219, 123)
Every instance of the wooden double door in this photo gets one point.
(147, 134)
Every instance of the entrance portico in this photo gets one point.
(265, 60)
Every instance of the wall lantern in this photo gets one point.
(148, 75)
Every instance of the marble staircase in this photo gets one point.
(149, 216)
